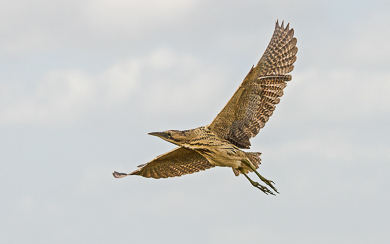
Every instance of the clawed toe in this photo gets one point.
(262, 188)
(269, 183)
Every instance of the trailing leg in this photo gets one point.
(266, 181)
(257, 185)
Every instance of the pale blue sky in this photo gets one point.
(83, 82)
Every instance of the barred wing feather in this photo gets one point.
(254, 101)
(178, 162)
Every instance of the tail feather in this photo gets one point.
(254, 157)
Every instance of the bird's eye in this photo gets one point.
(169, 134)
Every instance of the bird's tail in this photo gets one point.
(255, 159)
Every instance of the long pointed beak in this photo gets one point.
(158, 134)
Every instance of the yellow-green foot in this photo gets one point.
(262, 188)
(268, 182)
(256, 184)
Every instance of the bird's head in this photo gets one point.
(174, 136)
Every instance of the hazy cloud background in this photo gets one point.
(83, 82)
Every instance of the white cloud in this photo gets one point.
(337, 94)
(330, 145)
(181, 84)
(134, 16)
(169, 81)
(369, 44)
(63, 95)
(32, 25)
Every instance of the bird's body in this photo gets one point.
(217, 151)
(220, 143)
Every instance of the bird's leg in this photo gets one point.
(266, 181)
(257, 185)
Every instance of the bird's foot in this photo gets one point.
(262, 188)
(269, 183)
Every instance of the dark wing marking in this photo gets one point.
(254, 101)
(178, 162)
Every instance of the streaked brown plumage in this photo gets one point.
(219, 143)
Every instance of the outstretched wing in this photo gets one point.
(254, 101)
(178, 162)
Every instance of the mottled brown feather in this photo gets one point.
(254, 101)
(179, 161)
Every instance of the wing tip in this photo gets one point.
(277, 26)
(277, 23)
(119, 175)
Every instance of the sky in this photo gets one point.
(83, 82)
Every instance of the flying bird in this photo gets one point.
(220, 143)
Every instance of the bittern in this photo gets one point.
(220, 143)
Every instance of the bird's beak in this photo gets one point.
(158, 134)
